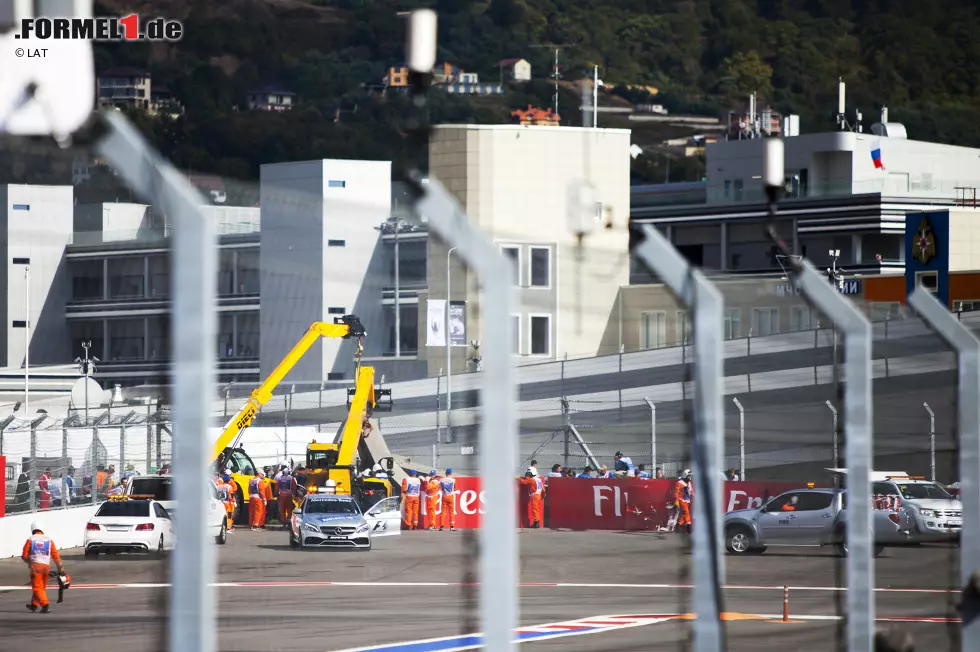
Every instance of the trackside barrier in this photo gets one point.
(967, 349)
(65, 526)
(693, 289)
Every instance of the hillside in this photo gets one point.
(920, 59)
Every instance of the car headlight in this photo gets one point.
(362, 528)
(928, 513)
(310, 527)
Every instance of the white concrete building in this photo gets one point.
(514, 183)
(320, 258)
(35, 229)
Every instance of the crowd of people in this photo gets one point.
(54, 489)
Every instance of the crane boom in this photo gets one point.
(344, 327)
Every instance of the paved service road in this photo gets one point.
(410, 588)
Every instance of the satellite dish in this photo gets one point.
(96, 395)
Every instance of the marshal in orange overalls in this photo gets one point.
(535, 506)
(256, 502)
(683, 493)
(432, 501)
(411, 490)
(448, 487)
(39, 551)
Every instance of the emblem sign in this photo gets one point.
(924, 243)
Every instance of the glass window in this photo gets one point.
(653, 329)
(160, 276)
(783, 502)
(248, 271)
(159, 327)
(733, 324)
(800, 318)
(86, 331)
(883, 489)
(891, 310)
(739, 184)
(923, 491)
(330, 506)
(126, 277)
(514, 253)
(409, 328)
(765, 321)
(226, 335)
(682, 326)
(814, 501)
(540, 335)
(248, 334)
(412, 263)
(128, 508)
(515, 326)
(928, 280)
(87, 280)
(540, 267)
(159, 488)
(226, 272)
(126, 339)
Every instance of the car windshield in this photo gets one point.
(331, 507)
(159, 488)
(136, 508)
(923, 491)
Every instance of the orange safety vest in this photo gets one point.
(432, 489)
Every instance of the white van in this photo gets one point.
(160, 488)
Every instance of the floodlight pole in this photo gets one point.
(741, 438)
(833, 410)
(967, 347)
(653, 435)
(932, 441)
(695, 291)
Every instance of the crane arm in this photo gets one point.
(363, 397)
(344, 327)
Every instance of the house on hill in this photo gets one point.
(518, 70)
(270, 98)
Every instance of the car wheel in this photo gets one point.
(222, 537)
(160, 547)
(877, 550)
(738, 540)
(91, 553)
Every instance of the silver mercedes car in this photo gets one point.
(329, 521)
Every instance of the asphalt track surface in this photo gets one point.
(411, 587)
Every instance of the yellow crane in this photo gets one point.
(227, 452)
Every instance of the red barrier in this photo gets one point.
(3, 488)
(618, 504)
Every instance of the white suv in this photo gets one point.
(160, 488)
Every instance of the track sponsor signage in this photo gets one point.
(613, 504)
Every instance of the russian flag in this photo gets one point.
(876, 157)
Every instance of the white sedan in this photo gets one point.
(128, 525)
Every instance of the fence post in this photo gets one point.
(833, 410)
(699, 295)
(653, 437)
(122, 449)
(149, 440)
(65, 491)
(932, 441)
(33, 474)
(94, 464)
(741, 438)
(967, 348)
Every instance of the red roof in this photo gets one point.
(509, 62)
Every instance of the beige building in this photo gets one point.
(514, 181)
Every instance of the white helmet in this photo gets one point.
(686, 473)
(533, 471)
(34, 527)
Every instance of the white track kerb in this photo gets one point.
(499, 596)
(695, 291)
(967, 349)
(857, 448)
(195, 270)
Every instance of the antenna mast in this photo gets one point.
(556, 72)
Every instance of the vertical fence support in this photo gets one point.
(856, 329)
(833, 410)
(94, 465)
(33, 474)
(498, 427)
(65, 488)
(932, 441)
(653, 436)
(701, 297)
(967, 348)
(122, 449)
(741, 438)
(149, 442)
(192, 621)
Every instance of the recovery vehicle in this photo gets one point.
(228, 452)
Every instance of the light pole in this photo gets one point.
(653, 435)
(86, 366)
(741, 439)
(833, 410)
(932, 440)
(449, 360)
(27, 340)
(398, 309)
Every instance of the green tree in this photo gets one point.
(747, 73)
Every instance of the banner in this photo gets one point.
(435, 322)
(592, 504)
(457, 323)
